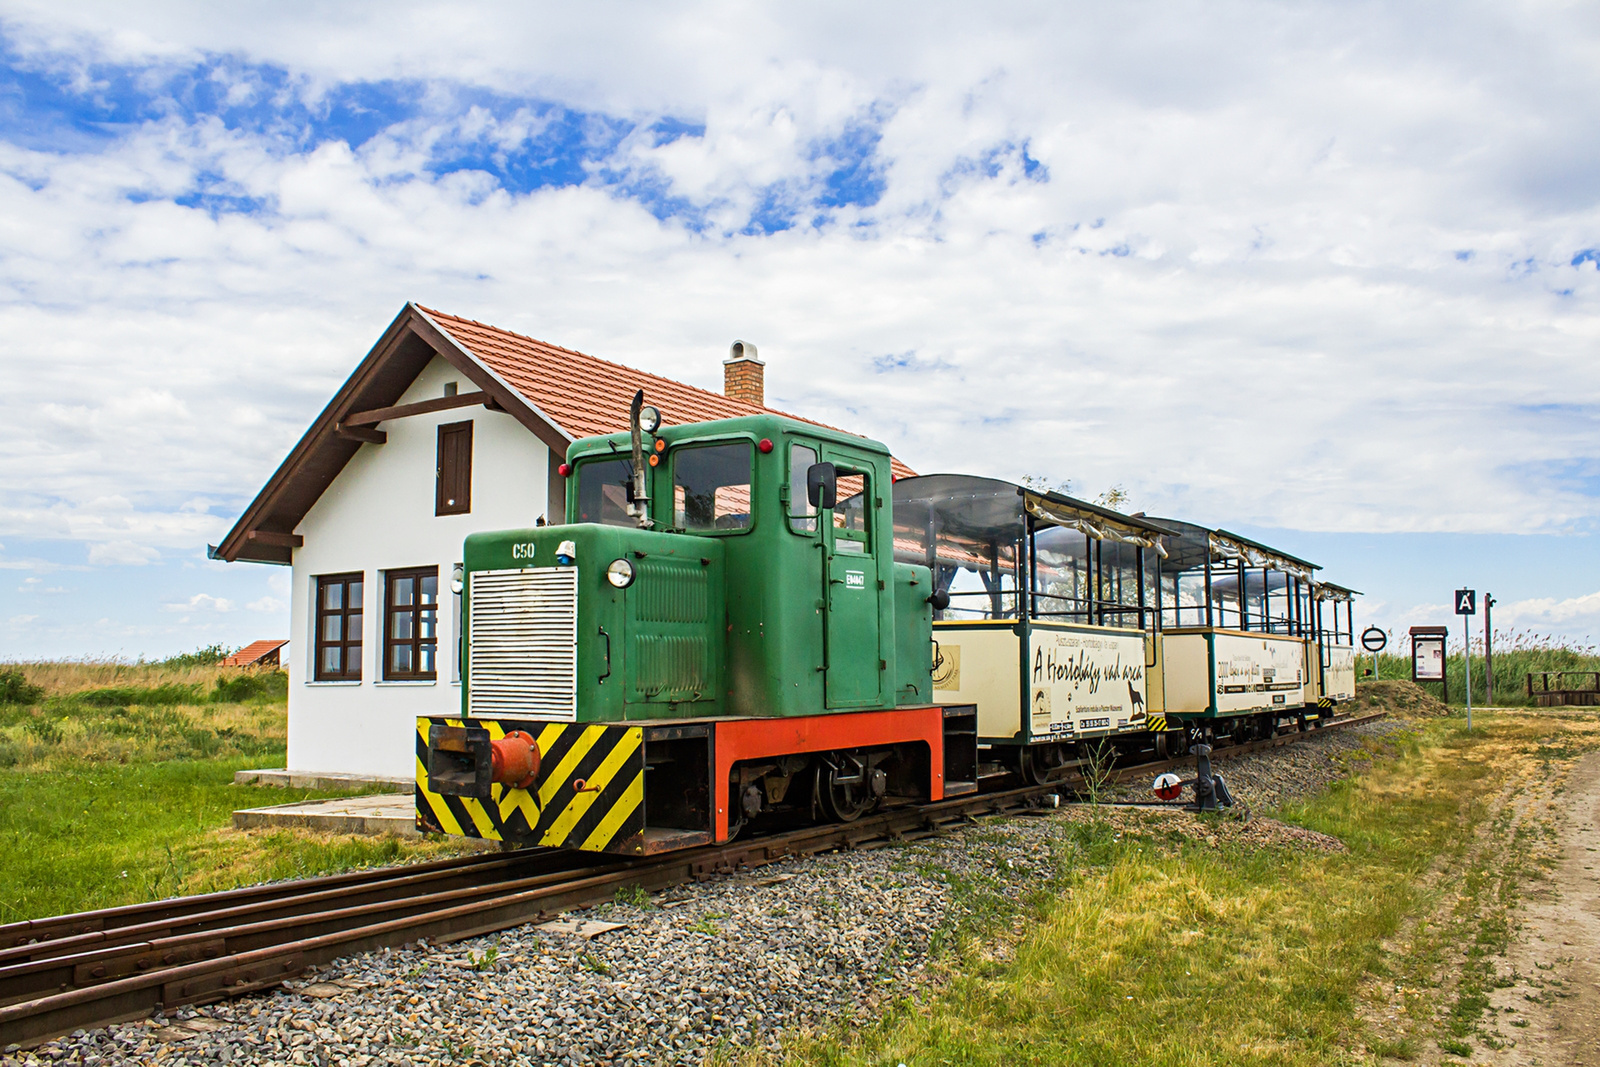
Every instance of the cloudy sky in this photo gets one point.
(1322, 273)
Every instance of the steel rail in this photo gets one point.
(31, 932)
(183, 951)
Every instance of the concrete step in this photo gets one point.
(382, 813)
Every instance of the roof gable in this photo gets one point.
(556, 393)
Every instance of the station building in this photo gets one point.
(448, 427)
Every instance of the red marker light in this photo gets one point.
(655, 461)
(564, 470)
(661, 446)
(765, 446)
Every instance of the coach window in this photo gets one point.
(604, 488)
(411, 624)
(711, 487)
(338, 636)
(802, 515)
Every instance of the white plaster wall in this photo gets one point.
(378, 514)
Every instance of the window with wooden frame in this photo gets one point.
(411, 624)
(338, 628)
(453, 478)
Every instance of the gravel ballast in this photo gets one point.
(798, 946)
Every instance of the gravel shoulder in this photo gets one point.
(739, 963)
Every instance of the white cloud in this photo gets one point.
(202, 602)
(269, 604)
(1566, 615)
(124, 553)
(1238, 294)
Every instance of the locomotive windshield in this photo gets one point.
(603, 489)
(711, 487)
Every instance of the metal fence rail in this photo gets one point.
(1562, 694)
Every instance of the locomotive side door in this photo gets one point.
(854, 671)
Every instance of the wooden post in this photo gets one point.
(1488, 651)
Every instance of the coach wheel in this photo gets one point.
(1163, 747)
(1043, 763)
(845, 787)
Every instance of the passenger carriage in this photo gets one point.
(1051, 623)
(1241, 643)
(1334, 624)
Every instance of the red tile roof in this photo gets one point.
(253, 653)
(586, 396)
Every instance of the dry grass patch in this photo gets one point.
(1206, 944)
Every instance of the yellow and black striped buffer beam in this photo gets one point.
(589, 793)
(1156, 723)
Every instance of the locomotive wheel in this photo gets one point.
(844, 792)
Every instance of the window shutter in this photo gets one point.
(453, 473)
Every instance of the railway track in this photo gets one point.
(95, 968)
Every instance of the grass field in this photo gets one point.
(116, 786)
(1162, 949)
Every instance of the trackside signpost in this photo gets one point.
(1466, 607)
(1374, 640)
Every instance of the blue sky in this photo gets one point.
(1325, 273)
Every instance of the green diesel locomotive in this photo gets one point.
(721, 634)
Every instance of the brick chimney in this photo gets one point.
(743, 374)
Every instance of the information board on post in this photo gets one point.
(1427, 656)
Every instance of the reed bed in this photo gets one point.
(1517, 653)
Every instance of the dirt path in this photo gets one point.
(1551, 1008)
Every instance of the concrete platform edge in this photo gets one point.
(285, 779)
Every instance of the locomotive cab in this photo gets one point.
(717, 636)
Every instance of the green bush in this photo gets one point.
(252, 685)
(122, 696)
(209, 656)
(16, 689)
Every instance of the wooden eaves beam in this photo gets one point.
(421, 407)
(276, 540)
(360, 433)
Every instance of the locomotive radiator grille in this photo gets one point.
(522, 655)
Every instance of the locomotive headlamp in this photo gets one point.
(649, 419)
(566, 552)
(458, 579)
(620, 573)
